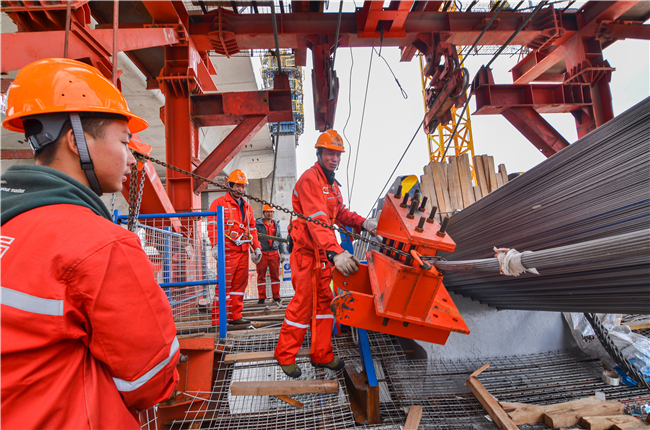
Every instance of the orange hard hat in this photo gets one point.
(330, 139)
(238, 177)
(268, 208)
(58, 85)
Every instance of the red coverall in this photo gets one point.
(270, 260)
(236, 255)
(313, 196)
(87, 334)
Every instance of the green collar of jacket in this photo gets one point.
(27, 187)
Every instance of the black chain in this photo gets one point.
(133, 187)
(333, 227)
(603, 336)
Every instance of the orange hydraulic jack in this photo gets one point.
(399, 295)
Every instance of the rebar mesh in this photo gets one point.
(544, 378)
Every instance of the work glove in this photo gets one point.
(346, 263)
(370, 225)
(257, 257)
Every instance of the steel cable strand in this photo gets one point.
(603, 336)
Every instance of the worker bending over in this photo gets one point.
(88, 336)
(315, 250)
(272, 252)
(241, 236)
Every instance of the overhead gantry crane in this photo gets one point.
(169, 42)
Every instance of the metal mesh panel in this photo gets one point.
(544, 378)
(180, 252)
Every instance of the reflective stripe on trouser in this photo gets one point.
(236, 283)
(270, 260)
(298, 315)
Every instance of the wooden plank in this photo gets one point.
(465, 180)
(503, 173)
(413, 418)
(439, 172)
(480, 175)
(639, 325)
(477, 193)
(571, 417)
(612, 421)
(455, 196)
(242, 333)
(250, 357)
(499, 180)
(490, 172)
(428, 189)
(499, 416)
(525, 413)
(286, 388)
(292, 402)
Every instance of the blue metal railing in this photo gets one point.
(167, 285)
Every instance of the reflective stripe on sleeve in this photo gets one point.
(295, 324)
(236, 294)
(126, 386)
(317, 214)
(295, 192)
(33, 304)
(324, 317)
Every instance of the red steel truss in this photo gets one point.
(170, 45)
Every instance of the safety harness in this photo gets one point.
(238, 238)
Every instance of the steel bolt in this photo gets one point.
(404, 201)
(443, 227)
(420, 227)
(423, 204)
(432, 215)
(398, 194)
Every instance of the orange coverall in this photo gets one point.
(87, 334)
(236, 227)
(313, 196)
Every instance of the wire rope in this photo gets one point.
(347, 169)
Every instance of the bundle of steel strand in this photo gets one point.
(597, 188)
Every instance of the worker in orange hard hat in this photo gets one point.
(272, 253)
(316, 250)
(68, 321)
(241, 238)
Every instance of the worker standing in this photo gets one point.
(87, 334)
(241, 237)
(317, 195)
(272, 251)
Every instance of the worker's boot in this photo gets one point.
(240, 321)
(336, 364)
(261, 301)
(292, 370)
(278, 302)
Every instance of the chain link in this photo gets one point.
(133, 183)
(135, 195)
(383, 246)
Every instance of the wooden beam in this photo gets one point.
(286, 388)
(612, 421)
(571, 417)
(639, 325)
(250, 357)
(499, 416)
(525, 413)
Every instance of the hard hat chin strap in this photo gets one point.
(84, 156)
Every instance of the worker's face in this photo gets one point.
(330, 159)
(111, 156)
(239, 190)
(268, 215)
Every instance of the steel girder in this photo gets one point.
(249, 110)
